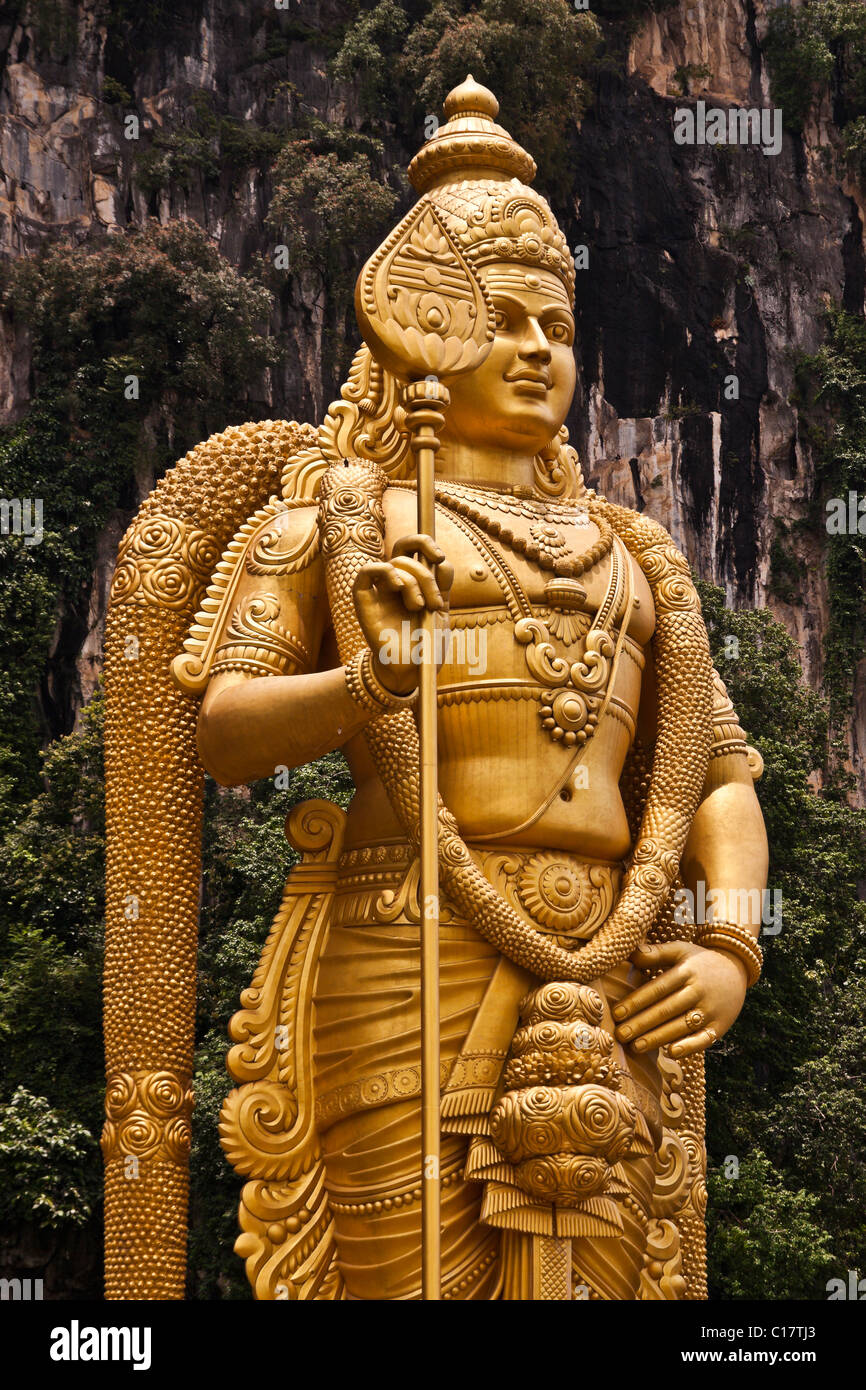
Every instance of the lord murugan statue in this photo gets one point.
(588, 772)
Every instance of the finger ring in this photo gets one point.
(694, 1020)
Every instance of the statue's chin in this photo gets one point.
(522, 431)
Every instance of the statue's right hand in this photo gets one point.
(391, 593)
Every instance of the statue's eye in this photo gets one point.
(500, 320)
(559, 332)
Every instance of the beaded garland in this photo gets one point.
(545, 546)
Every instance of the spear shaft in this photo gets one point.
(425, 314)
(424, 402)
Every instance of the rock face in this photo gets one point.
(708, 266)
(712, 266)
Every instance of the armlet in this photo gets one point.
(728, 737)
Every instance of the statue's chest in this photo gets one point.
(511, 560)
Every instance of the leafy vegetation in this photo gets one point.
(47, 1164)
(832, 388)
(535, 54)
(821, 46)
(141, 346)
(201, 144)
(327, 197)
(786, 1090)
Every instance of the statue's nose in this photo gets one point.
(535, 342)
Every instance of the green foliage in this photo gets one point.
(784, 570)
(832, 389)
(160, 306)
(786, 1086)
(51, 872)
(535, 54)
(162, 298)
(686, 74)
(201, 145)
(188, 149)
(47, 1162)
(51, 927)
(327, 198)
(51, 911)
(368, 52)
(854, 140)
(770, 1238)
(822, 42)
(244, 144)
(114, 93)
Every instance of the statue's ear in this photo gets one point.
(421, 307)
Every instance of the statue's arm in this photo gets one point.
(727, 850)
(279, 709)
(697, 991)
(249, 727)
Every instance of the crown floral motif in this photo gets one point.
(507, 222)
(477, 176)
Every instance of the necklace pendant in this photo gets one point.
(565, 595)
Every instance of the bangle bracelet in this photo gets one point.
(368, 691)
(737, 941)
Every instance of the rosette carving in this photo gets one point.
(564, 896)
(148, 1116)
(561, 1054)
(563, 1122)
(564, 1001)
(163, 561)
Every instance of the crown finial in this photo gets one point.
(470, 99)
(470, 145)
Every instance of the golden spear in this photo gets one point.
(425, 315)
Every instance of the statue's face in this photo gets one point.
(519, 397)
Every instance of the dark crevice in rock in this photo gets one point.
(696, 470)
(742, 485)
(640, 501)
(756, 95)
(854, 263)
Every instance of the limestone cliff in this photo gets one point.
(705, 263)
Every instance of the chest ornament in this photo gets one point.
(575, 693)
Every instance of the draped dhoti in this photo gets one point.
(368, 1113)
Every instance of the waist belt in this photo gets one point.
(564, 895)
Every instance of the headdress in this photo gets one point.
(478, 176)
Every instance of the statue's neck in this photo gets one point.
(481, 466)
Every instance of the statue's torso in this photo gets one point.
(498, 765)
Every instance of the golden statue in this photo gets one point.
(496, 1092)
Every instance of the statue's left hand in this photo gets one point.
(691, 1004)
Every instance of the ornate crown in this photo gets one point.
(477, 176)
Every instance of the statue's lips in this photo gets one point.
(530, 386)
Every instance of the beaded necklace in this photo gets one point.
(545, 546)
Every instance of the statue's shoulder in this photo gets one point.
(647, 541)
(637, 530)
(277, 546)
(282, 538)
